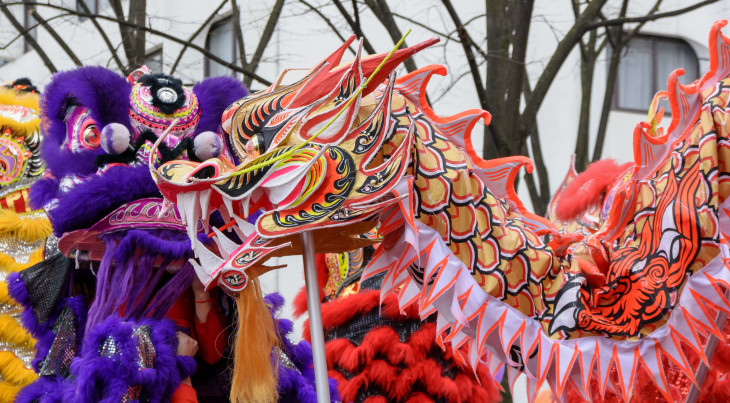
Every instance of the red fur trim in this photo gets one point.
(588, 189)
(381, 359)
(340, 311)
(300, 301)
(299, 304)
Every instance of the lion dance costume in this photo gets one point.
(623, 311)
(101, 130)
(23, 230)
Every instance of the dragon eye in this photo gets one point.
(255, 146)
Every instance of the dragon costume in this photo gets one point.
(585, 314)
(101, 130)
(23, 230)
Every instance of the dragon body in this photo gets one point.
(507, 286)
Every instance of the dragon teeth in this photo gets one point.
(189, 212)
(204, 204)
(245, 204)
(208, 259)
(224, 244)
(246, 227)
(202, 274)
(228, 213)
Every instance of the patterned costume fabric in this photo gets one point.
(23, 230)
(458, 242)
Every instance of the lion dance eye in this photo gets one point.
(92, 138)
(255, 146)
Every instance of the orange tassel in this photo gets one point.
(254, 373)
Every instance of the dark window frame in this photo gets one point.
(654, 40)
(29, 21)
(234, 44)
(153, 51)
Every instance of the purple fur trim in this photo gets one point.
(296, 385)
(167, 244)
(215, 95)
(130, 272)
(91, 200)
(106, 379)
(46, 389)
(104, 92)
(40, 331)
(43, 191)
(170, 292)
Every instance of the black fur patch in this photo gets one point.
(157, 81)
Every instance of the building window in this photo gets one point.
(645, 68)
(221, 42)
(153, 60)
(28, 22)
(95, 6)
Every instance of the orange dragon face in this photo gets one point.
(308, 156)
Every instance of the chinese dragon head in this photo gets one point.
(638, 293)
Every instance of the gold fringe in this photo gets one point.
(14, 371)
(28, 230)
(5, 298)
(10, 97)
(12, 333)
(8, 392)
(254, 376)
(9, 265)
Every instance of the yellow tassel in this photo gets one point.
(28, 230)
(9, 265)
(17, 129)
(254, 375)
(14, 371)
(12, 333)
(8, 392)
(10, 97)
(5, 298)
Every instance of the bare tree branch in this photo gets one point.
(265, 38)
(328, 22)
(355, 27)
(104, 37)
(565, 46)
(465, 43)
(239, 34)
(27, 36)
(30, 28)
(616, 36)
(385, 16)
(650, 17)
(56, 37)
(195, 35)
(152, 31)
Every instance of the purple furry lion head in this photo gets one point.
(100, 129)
